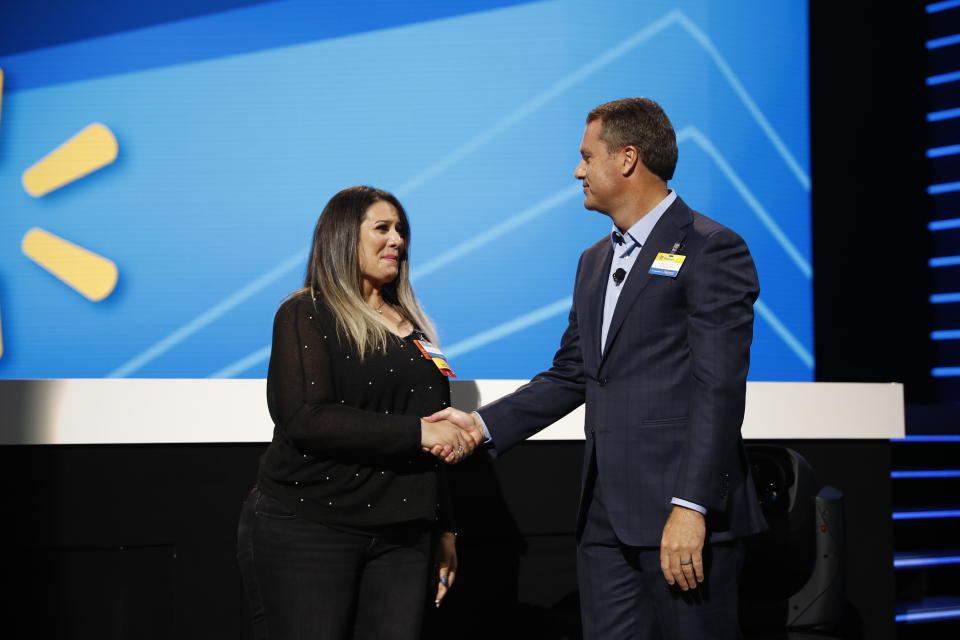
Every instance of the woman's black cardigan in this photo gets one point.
(346, 439)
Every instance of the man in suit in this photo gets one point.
(658, 346)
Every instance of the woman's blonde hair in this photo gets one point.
(333, 271)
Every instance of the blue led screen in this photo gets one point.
(233, 128)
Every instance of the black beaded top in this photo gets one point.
(346, 439)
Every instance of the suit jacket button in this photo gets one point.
(602, 381)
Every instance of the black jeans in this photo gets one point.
(306, 580)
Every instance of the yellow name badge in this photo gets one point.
(667, 264)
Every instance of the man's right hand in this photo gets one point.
(445, 439)
(469, 423)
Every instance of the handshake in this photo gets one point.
(451, 434)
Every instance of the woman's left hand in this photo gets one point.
(447, 563)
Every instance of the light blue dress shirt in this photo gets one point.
(626, 248)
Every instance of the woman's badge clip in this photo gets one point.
(432, 352)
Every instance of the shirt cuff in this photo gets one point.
(486, 432)
(687, 504)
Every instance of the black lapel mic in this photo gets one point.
(619, 275)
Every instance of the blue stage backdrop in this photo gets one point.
(233, 125)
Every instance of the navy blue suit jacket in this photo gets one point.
(665, 400)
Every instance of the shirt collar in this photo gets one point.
(640, 231)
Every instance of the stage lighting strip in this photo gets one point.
(945, 334)
(913, 560)
(928, 438)
(944, 187)
(943, 78)
(943, 114)
(932, 614)
(936, 7)
(940, 298)
(925, 473)
(945, 372)
(926, 515)
(945, 41)
(941, 225)
(934, 609)
(940, 152)
(945, 261)
(943, 298)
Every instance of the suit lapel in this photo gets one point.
(668, 230)
(592, 310)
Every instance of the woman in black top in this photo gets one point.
(337, 539)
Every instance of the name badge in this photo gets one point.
(433, 353)
(667, 264)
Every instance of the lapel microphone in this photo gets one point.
(618, 276)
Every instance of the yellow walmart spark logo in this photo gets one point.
(89, 274)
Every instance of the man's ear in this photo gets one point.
(630, 158)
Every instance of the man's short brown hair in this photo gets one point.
(640, 123)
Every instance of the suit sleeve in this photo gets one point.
(545, 399)
(720, 297)
(303, 401)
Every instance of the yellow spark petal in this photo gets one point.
(92, 148)
(1, 111)
(93, 276)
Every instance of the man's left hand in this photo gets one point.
(681, 548)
